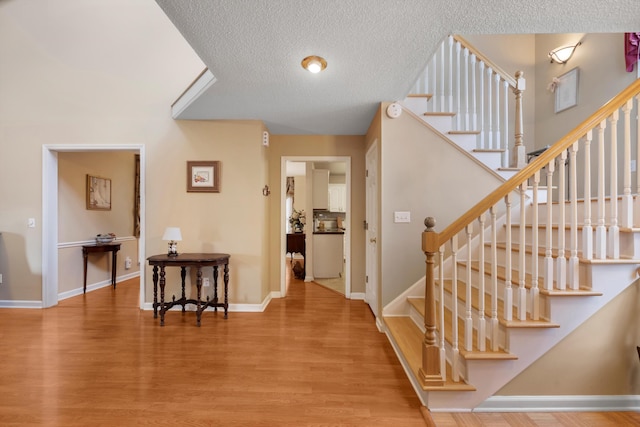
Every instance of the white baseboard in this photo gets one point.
(559, 403)
(238, 308)
(357, 295)
(20, 304)
(99, 285)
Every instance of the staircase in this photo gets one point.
(518, 272)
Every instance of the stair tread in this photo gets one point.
(554, 254)
(488, 150)
(475, 354)
(439, 114)
(409, 339)
(420, 95)
(464, 132)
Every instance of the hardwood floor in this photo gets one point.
(311, 359)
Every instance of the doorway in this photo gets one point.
(50, 214)
(371, 284)
(284, 220)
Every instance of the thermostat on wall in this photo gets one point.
(394, 110)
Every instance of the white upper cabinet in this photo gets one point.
(321, 189)
(338, 197)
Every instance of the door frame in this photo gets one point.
(371, 265)
(283, 219)
(50, 213)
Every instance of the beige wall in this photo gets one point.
(598, 358)
(309, 146)
(78, 225)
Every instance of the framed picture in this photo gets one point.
(203, 176)
(98, 193)
(567, 90)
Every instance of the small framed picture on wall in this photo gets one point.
(98, 193)
(567, 90)
(203, 176)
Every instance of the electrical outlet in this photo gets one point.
(0, 278)
(31, 222)
(205, 281)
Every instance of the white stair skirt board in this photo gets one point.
(559, 404)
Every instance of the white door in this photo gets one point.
(371, 289)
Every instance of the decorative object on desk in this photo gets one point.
(105, 238)
(174, 236)
(266, 191)
(567, 90)
(203, 176)
(297, 220)
(98, 193)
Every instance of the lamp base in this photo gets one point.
(173, 249)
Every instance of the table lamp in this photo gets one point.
(174, 236)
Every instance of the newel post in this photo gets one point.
(520, 156)
(430, 371)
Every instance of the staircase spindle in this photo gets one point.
(441, 305)
(505, 125)
(465, 86)
(489, 119)
(601, 231)
(574, 262)
(496, 115)
(561, 261)
(535, 297)
(626, 217)
(587, 229)
(508, 289)
(457, 88)
(468, 318)
(522, 288)
(481, 119)
(450, 77)
(493, 325)
(474, 95)
(442, 79)
(548, 257)
(636, 201)
(614, 231)
(482, 327)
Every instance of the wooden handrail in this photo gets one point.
(495, 67)
(528, 171)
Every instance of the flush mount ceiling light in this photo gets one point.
(314, 63)
(561, 55)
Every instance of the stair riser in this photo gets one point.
(442, 124)
(580, 210)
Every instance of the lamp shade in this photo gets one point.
(562, 54)
(172, 233)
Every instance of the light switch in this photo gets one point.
(31, 223)
(401, 216)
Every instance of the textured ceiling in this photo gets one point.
(374, 49)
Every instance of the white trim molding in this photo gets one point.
(98, 285)
(238, 308)
(559, 403)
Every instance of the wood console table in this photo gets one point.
(199, 260)
(101, 248)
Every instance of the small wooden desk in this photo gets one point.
(199, 260)
(101, 248)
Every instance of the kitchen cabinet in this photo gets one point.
(338, 197)
(320, 187)
(328, 255)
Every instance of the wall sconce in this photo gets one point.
(561, 55)
(266, 191)
(174, 236)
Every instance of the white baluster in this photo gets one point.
(450, 78)
(457, 89)
(466, 89)
(561, 261)
(535, 292)
(626, 216)
(474, 95)
(574, 262)
(494, 323)
(468, 319)
(505, 124)
(482, 326)
(522, 289)
(496, 127)
(614, 230)
(548, 258)
(489, 119)
(442, 79)
(455, 368)
(636, 201)
(481, 119)
(587, 229)
(431, 105)
(601, 231)
(508, 289)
